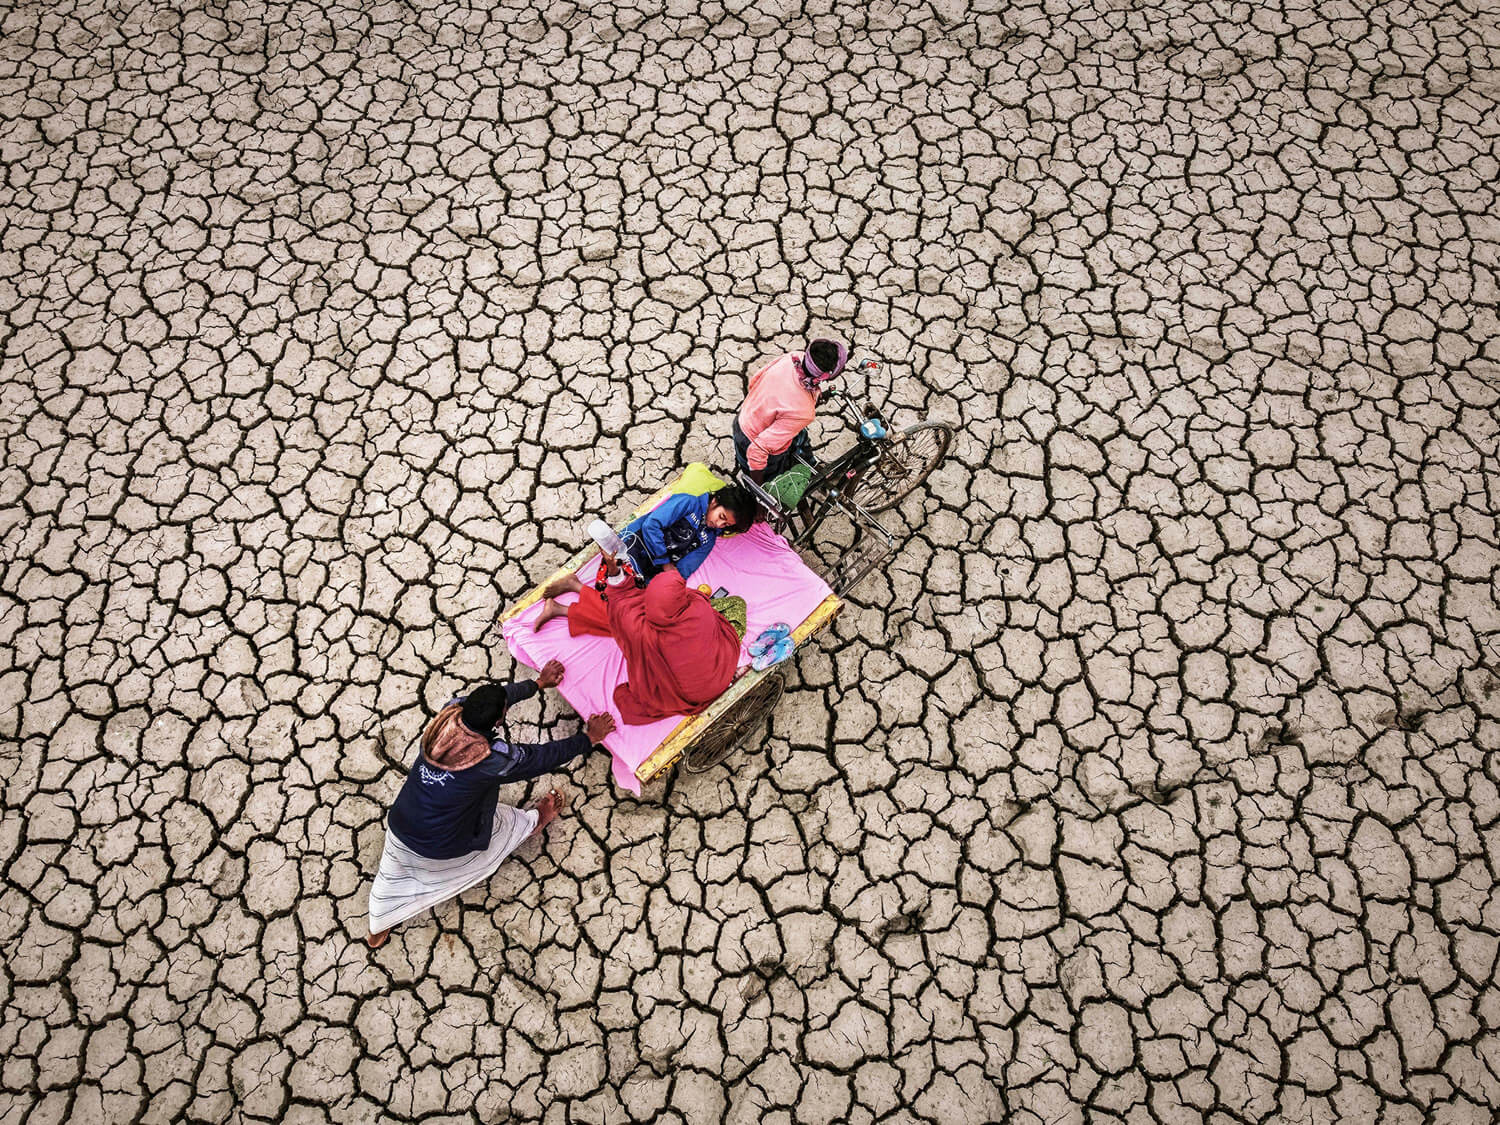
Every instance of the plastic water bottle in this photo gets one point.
(604, 535)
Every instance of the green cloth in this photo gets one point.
(787, 489)
(734, 609)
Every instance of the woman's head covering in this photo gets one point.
(823, 360)
(666, 602)
(680, 655)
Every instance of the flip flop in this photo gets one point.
(769, 637)
(781, 650)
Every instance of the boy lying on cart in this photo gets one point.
(682, 529)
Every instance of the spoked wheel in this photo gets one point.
(736, 725)
(906, 460)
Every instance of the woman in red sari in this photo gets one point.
(680, 652)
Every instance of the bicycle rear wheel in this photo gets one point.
(906, 460)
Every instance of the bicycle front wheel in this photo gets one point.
(906, 460)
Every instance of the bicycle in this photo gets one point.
(879, 471)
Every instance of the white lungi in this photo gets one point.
(408, 883)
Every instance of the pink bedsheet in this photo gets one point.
(759, 566)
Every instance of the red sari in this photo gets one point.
(680, 653)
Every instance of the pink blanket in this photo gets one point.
(759, 566)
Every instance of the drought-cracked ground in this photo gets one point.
(1156, 778)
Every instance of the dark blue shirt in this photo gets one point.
(443, 814)
(675, 531)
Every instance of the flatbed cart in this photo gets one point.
(704, 740)
(875, 474)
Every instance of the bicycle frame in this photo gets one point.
(832, 486)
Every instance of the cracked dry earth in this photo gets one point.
(1154, 780)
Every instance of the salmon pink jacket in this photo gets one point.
(776, 409)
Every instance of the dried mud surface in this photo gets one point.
(1154, 780)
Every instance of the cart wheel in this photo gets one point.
(906, 460)
(736, 725)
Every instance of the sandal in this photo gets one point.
(774, 654)
(769, 637)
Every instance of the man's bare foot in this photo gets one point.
(567, 584)
(550, 609)
(375, 941)
(548, 809)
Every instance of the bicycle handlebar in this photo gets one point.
(855, 416)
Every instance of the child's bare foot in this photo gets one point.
(550, 609)
(548, 809)
(567, 584)
(375, 941)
